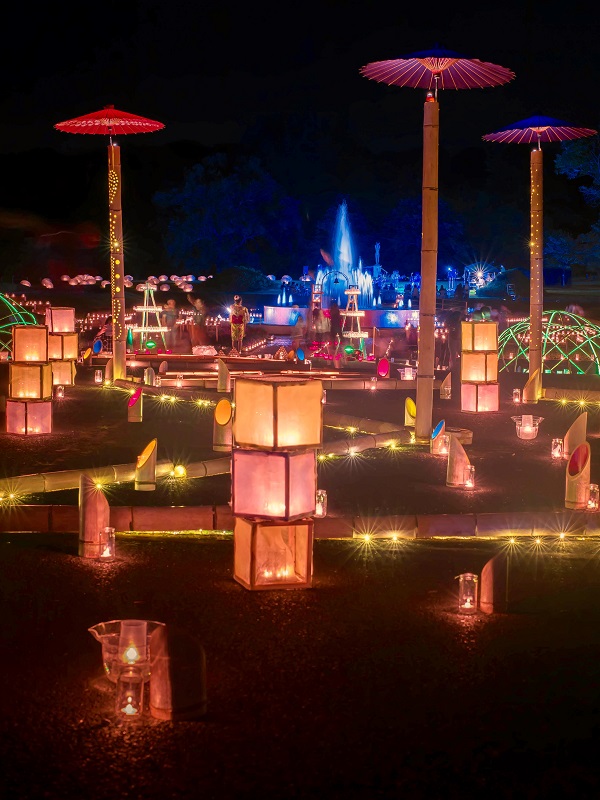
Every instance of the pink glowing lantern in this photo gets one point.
(29, 343)
(29, 416)
(60, 320)
(273, 555)
(278, 414)
(273, 485)
(478, 397)
(30, 381)
(63, 346)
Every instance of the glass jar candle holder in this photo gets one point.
(321, 503)
(179, 381)
(446, 392)
(59, 391)
(444, 444)
(98, 376)
(469, 477)
(516, 396)
(107, 541)
(467, 592)
(593, 497)
(557, 449)
(129, 703)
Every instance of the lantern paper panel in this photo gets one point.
(283, 414)
(478, 335)
(479, 397)
(273, 555)
(60, 320)
(29, 343)
(479, 367)
(63, 346)
(29, 416)
(273, 485)
(63, 373)
(30, 381)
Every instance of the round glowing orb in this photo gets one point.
(383, 368)
(97, 346)
(150, 345)
(180, 471)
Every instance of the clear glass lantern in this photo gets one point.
(467, 592)
(469, 476)
(444, 446)
(129, 699)
(527, 426)
(273, 555)
(123, 645)
(273, 485)
(557, 449)
(98, 376)
(516, 396)
(593, 497)
(321, 503)
(278, 414)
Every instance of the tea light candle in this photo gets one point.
(516, 395)
(321, 503)
(130, 693)
(133, 641)
(557, 448)
(98, 376)
(469, 476)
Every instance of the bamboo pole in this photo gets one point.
(429, 248)
(536, 267)
(117, 265)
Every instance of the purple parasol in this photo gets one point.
(437, 69)
(538, 129)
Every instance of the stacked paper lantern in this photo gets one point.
(277, 430)
(29, 403)
(479, 366)
(63, 344)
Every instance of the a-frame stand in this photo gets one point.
(149, 309)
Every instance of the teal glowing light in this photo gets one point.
(12, 313)
(570, 345)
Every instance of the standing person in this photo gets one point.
(239, 317)
(198, 326)
(168, 318)
(335, 322)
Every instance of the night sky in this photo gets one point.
(210, 72)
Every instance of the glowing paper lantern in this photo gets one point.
(30, 381)
(222, 426)
(29, 343)
(273, 485)
(479, 335)
(145, 469)
(273, 555)
(60, 320)
(479, 397)
(278, 414)
(63, 372)
(135, 406)
(63, 346)
(577, 482)
(478, 367)
(410, 412)
(29, 417)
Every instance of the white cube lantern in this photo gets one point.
(479, 335)
(479, 397)
(278, 414)
(273, 485)
(29, 416)
(273, 555)
(479, 367)
(60, 320)
(29, 343)
(30, 381)
(63, 346)
(63, 372)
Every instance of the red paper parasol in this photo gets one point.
(437, 69)
(538, 129)
(109, 122)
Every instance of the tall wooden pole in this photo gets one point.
(536, 271)
(429, 250)
(117, 265)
